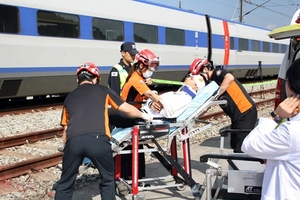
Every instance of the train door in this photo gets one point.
(231, 44)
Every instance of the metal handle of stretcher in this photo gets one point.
(224, 131)
(204, 158)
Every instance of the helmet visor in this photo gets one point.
(153, 64)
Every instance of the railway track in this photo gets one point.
(37, 163)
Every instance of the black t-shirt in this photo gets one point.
(86, 110)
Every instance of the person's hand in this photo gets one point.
(64, 137)
(147, 117)
(149, 81)
(167, 108)
(289, 107)
(156, 106)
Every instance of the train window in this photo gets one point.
(231, 42)
(175, 36)
(255, 45)
(243, 44)
(57, 24)
(275, 48)
(107, 29)
(9, 19)
(283, 48)
(145, 33)
(266, 47)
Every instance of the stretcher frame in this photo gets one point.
(242, 179)
(181, 130)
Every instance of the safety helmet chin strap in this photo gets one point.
(206, 80)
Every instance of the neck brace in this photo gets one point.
(188, 90)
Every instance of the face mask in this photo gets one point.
(147, 74)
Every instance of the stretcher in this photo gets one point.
(176, 129)
(242, 179)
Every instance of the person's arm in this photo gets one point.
(117, 103)
(159, 103)
(114, 80)
(64, 136)
(152, 95)
(133, 112)
(228, 78)
(267, 141)
(64, 124)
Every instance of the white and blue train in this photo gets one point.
(43, 42)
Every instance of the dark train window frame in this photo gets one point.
(275, 47)
(255, 45)
(145, 33)
(9, 19)
(175, 36)
(266, 47)
(243, 44)
(62, 25)
(114, 29)
(231, 42)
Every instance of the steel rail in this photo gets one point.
(34, 164)
(30, 137)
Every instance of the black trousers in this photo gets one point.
(120, 120)
(246, 121)
(96, 147)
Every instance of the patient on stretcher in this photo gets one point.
(180, 99)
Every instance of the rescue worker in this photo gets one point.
(119, 72)
(135, 91)
(278, 141)
(86, 131)
(240, 107)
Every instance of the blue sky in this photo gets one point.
(273, 14)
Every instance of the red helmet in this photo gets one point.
(198, 65)
(91, 68)
(148, 58)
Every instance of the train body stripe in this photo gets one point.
(226, 43)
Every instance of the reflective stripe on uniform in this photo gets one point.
(122, 73)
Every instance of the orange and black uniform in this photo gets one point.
(85, 113)
(240, 108)
(133, 91)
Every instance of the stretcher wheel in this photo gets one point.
(122, 189)
(181, 187)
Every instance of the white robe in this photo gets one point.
(281, 147)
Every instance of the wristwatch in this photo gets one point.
(276, 118)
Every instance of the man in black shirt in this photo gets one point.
(86, 131)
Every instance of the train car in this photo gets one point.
(43, 42)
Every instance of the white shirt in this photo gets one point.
(178, 100)
(281, 147)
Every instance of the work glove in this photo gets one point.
(169, 112)
(147, 117)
